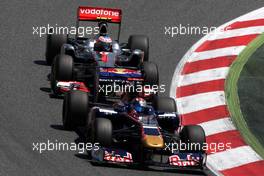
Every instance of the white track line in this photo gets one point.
(219, 126)
(203, 76)
(237, 32)
(233, 158)
(256, 14)
(228, 51)
(201, 101)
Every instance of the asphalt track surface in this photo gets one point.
(28, 114)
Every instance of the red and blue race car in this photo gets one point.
(135, 132)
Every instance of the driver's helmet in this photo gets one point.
(104, 43)
(139, 105)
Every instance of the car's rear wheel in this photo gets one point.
(95, 87)
(75, 109)
(140, 42)
(53, 46)
(151, 73)
(167, 105)
(164, 104)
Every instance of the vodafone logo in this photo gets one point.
(95, 13)
(101, 12)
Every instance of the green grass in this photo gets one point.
(231, 90)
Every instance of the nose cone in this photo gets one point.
(150, 141)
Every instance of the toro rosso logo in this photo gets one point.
(95, 13)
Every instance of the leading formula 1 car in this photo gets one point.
(137, 133)
(99, 60)
(101, 15)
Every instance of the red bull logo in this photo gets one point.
(119, 70)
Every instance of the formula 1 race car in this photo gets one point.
(99, 60)
(136, 133)
(55, 41)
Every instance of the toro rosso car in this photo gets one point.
(136, 133)
(99, 60)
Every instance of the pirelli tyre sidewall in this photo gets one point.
(95, 89)
(102, 132)
(164, 104)
(53, 81)
(168, 105)
(140, 42)
(63, 67)
(193, 135)
(53, 46)
(75, 109)
(150, 73)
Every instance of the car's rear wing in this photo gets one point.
(108, 15)
(99, 14)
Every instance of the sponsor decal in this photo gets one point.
(95, 13)
(72, 85)
(105, 39)
(120, 71)
(120, 156)
(184, 160)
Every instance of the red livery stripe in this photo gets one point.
(226, 42)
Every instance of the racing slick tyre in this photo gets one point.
(140, 42)
(151, 73)
(53, 46)
(102, 131)
(193, 135)
(164, 104)
(63, 67)
(140, 156)
(61, 70)
(53, 84)
(75, 109)
(168, 105)
(95, 87)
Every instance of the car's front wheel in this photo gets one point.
(150, 73)
(53, 46)
(140, 42)
(102, 131)
(193, 135)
